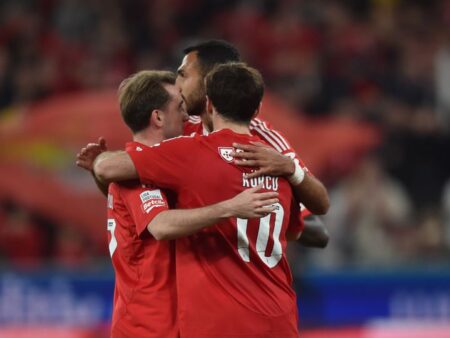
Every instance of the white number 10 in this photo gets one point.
(263, 238)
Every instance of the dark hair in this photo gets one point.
(213, 52)
(235, 90)
(140, 94)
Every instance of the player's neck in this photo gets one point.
(148, 137)
(220, 123)
(204, 119)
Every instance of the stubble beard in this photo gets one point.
(196, 105)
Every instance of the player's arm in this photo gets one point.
(114, 166)
(308, 190)
(171, 224)
(164, 165)
(315, 234)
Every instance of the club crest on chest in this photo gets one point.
(225, 153)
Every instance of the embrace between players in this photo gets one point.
(198, 225)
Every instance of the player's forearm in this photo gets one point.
(173, 224)
(312, 194)
(112, 166)
(102, 186)
(314, 234)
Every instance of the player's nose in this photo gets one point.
(179, 81)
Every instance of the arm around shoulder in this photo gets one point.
(309, 191)
(250, 203)
(112, 166)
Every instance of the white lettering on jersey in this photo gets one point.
(267, 182)
(150, 194)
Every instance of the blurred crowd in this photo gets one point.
(386, 62)
(28, 239)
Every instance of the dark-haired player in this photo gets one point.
(199, 59)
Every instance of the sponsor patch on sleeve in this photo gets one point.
(152, 199)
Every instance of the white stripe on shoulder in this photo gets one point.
(276, 135)
(267, 138)
(281, 138)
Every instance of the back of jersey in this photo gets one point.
(233, 279)
(236, 271)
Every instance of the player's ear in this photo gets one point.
(257, 110)
(157, 118)
(209, 105)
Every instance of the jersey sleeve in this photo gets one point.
(165, 164)
(296, 222)
(275, 138)
(304, 212)
(143, 204)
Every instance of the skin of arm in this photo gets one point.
(250, 203)
(114, 166)
(314, 233)
(310, 192)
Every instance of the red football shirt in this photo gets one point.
(145, 289)
(233, 279)
(265, 132)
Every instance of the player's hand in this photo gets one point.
(88, 154)
(251, 203)
(267, 160)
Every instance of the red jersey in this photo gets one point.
(233, 279)
(258, 127)
(265, 132)
(145, 289)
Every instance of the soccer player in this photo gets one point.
(233, 279)
(199, 59)
(145, 296)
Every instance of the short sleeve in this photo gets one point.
(304, 212)
(143, 204)
(274, 138)
(164, 164)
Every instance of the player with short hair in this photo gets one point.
(145, 295)
(233, 279)
(199, 59)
